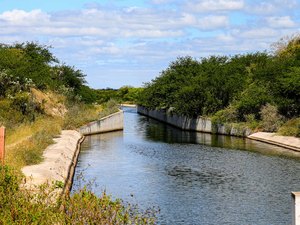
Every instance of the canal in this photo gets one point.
(193, 178)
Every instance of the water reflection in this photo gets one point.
(155, 131)
(194, 178)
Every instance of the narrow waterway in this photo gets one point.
(193, 178)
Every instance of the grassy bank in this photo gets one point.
(24, 207)
(25, 143)
(25, 146)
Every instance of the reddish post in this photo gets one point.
(2, 144)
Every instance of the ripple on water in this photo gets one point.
(193, 178)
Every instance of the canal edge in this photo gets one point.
(70, 177)
(110, 123)
(204, 125)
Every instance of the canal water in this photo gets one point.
(193, 178)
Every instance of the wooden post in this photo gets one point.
(2, 145)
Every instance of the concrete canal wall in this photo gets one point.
(59, 162)
(60, 158)
(289, 142)
(109, 123)
(200, 124)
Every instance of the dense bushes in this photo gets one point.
(31, 64)
(200, 87)
(232, 89)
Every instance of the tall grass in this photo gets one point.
(290, 128)
(20, 206)
(27, 142)
(80, 114)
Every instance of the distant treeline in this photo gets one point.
(232, 89)
(30, 64)
(125, 94)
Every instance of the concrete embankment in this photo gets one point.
(59, 162)
(128, 105)
(109, 123)
(292, 143)
(205, 125)
(60, 158)
(200, 124)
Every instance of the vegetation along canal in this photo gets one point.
(193, 178)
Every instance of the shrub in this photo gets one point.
(227, 115)
(9, 182)
(84, 207)
(109, 107)
(251, 122)
(290, 128)
(270, 119)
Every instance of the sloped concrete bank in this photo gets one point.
(205, 125)
(59, 162)
(109, 123)
(60, 158)
(200, 124)
(128, 105)
(292, 143)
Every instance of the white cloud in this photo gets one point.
(258, 33)
(213, 22)
(20, 17)
(92, 22)
(281, 22)
(225, 38)
(147, 38)
(160, 1)
(215, 5)
(271, 7)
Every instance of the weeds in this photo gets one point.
(109, 107)
(80, 114)
(19, 206)
(270, 118)
(290, 128)
(26, 143)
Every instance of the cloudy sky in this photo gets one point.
(128, 42)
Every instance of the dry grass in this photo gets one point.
(26, 143)
(80, 114)
(51, 103)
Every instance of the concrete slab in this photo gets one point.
(58, 159)
(289, 142)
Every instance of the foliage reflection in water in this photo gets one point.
(194, 178)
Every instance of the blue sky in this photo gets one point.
(128, 42)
